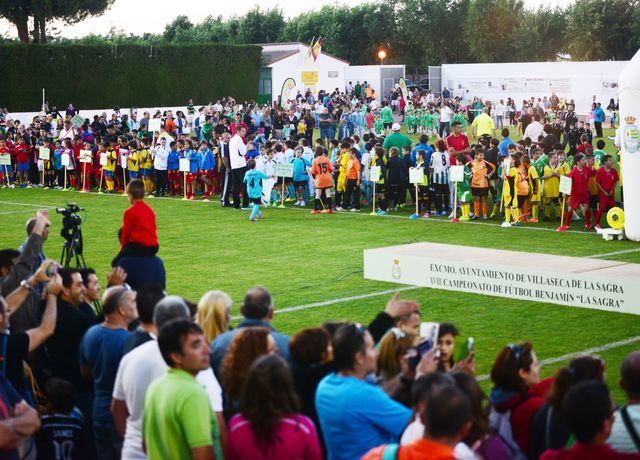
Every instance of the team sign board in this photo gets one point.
(573, 281)
(284, 169)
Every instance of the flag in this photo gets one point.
(316, 48)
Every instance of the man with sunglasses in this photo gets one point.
(356, 416)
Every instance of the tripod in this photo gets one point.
(72, 248)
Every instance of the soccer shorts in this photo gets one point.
(387, 125)
(511, 201)
(593, 201)
(191, 177)
(607, 202)
(134, 175)
(255, 200)
(146, 172)
(577, 201)
(464, 196)
(326, 191)
(23, 167)
(535, 197)
(300, 183)
(108, 174)
(480, 191)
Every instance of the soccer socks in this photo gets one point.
(317, 204)
(484, 209)
(534, 210)
(476, 208)
(587, 218)
(254, 212)
(109, 185)
(598, 216)
(507, 214)
(567, 218)
(515, 212)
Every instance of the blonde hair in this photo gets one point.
(212, 313)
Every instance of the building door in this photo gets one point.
(387, 86)
(265, 92)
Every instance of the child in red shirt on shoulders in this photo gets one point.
(138, 235)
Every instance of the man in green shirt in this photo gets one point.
(386, 115)
(396, 139)
(177, 420)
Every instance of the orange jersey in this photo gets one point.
(479, 172)
(321, 170)
(522, 181)
(353, 169)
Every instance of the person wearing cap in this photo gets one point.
(396, 139)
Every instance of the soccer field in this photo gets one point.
(313, 266)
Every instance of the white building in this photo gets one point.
(382, 78)
(522, 80)
(292, 60)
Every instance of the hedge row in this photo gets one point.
(97, 76)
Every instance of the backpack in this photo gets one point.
(501, 424)
(390, 452)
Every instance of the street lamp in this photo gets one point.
(381, 55)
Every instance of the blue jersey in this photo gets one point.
(194, 160)
(207, 160)
(300, 169)
(173, 160)
(253, 178)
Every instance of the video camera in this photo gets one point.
(71, 221)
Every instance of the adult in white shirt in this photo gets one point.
(67, 132)
(620, 438)
(139, 368)
(500, 113)
(445, 120)
(160, 154)
(238, 162)
(534, 130)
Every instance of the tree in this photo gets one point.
(177, 27)
(492, 29)
(259, 26)
(602, 29)
(19, 12)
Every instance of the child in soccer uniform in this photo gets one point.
(510, 191)
(522, 187)
(253, 178)
(579, 198)
(354, 176)
(439, 169)
(380, 160)
(300, 176)
(341, 166)
(6, 170)
(424, 197)
(551, 180)
(87, 169)
(194, 163)
(535, 189)
(321, 170)
(481, 170)
(110, 168)
(133, 162)
(146, 164)
(606, 180)
(21, 152)
(71, 169)
(464, 188)
(593, 188)
(206, 169)
(269, 194)
(599, 152)
(173, 169)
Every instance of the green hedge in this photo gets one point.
(98, 76)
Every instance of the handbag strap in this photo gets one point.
(630, 428)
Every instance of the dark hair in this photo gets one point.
(512, 358)
(348, 341)
(251, 163)
(61, 395)
(462, 158)
(426, 384)
(66, 274)
(600, 144)
(441, 146)
(606, 158)
(257, 303)
(115, 295)
(309, 346)
(267, 396)
(586, 407)
(7, 256)
(448, 409)
(135, 188)
(85, 272)
(247, 345)
(630, 375)
(578, 157)
(171, 337)
(30, 224)
(505, 132)
(578, 370)
(424, 139)
(447, 328)
(470, 386)
(148, 297)
(456, 123)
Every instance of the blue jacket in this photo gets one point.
(598, 115)
(173, 160)
(428, 151)
(207, 160)
(503, 147)
(220, 344)
(300, 166)
(194, 160)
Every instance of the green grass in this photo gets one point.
(305, 258)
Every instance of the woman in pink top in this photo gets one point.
(268, 425)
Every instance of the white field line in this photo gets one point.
(27, 204)
(614, 253)
(588, 351)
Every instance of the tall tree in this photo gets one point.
(602, 29)
(492, 28)
(19, 12)
(259, 26)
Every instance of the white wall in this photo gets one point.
(371, 74)
(570, 80)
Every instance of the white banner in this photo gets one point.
(44, 153)
(416, 175)
(85, 156)
(103, 159)
(5, 160)
(456, 173)
(375, 173)
(66, 159)
(565, 185)
(572, 281)
(183, 165)
(284, 169)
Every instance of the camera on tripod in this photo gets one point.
(72, 234)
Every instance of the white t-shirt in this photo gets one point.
(160, 155)
(136, 371)
(366, 166)
(445, 114)
(67, 133)
(619, 438)
(237, 151)
(533, 131)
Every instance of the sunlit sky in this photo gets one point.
(141, 16)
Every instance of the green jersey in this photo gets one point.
(464, 187)
(461, 118)
(386, 115)
(598, 154)
(540, 163)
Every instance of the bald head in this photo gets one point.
(258, 304)
(170, 308)
(630, 375)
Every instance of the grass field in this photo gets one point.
(305, 259)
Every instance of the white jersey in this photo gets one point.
(440, 165)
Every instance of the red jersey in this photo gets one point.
(580, 182)
(458, 143)
(607, 179)
(139, 225)
(21, 153)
